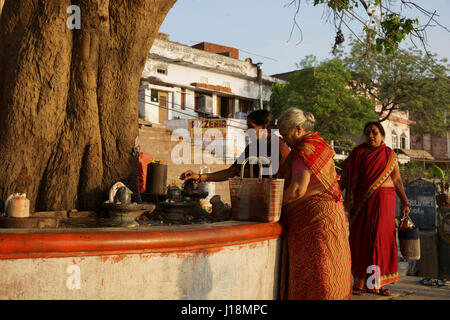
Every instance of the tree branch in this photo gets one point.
(383, 108)
(295, 24)
(364, 4)
(425, 12)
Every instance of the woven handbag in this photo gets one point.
(256, 199)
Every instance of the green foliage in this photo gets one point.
(322, 89)
(395, 30)
(394, 27)
(412, 171)
(438, 172)
(337, 164)
(310, 61)
(128, 190)
(278, 100)
(411, 82)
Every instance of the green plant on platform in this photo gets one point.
(412, 171)
(440, 174)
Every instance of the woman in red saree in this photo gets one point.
(316, 253)
(371, 178)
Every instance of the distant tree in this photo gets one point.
(322, 89)
(278, 99)
(413, 82)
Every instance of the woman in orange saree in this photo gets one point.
(316, 253)
(371, 178)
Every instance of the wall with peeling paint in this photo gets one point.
(182, 54)
(247, 271)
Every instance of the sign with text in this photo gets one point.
(208, 129)
(422, 198)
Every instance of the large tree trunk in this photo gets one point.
(68, 98)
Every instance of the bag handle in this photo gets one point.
(259, 164)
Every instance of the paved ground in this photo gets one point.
(409, 288)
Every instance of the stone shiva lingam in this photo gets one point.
(181, 204)
(122, 212)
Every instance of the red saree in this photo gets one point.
(372, 216)
(316, 254)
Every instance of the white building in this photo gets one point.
(398, 134)
(205, 80)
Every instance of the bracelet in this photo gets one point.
(406, 205)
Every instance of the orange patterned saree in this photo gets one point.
(372, 216)
(316, 253)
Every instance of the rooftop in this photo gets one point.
(417, 154)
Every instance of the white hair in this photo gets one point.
(295, 117)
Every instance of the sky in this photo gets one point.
(261, 29)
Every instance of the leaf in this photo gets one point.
(128, 190)
(437, 171)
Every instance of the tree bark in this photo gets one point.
(68, 98)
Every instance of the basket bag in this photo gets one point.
(408, 237)
(256, 199)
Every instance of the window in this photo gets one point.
(183, 99)
(161, 71)
(403, 141)
(394, 140)
(154, 95)
(245, 105)
(203, 103)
